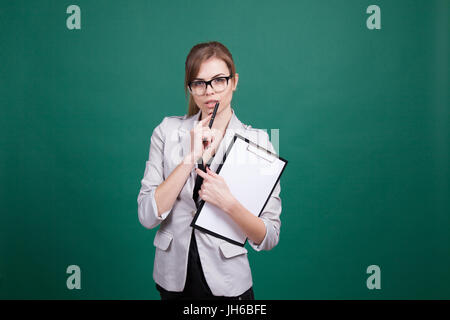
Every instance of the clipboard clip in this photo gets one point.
(260, 153)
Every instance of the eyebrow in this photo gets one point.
(211, 78)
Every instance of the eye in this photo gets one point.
(220, 80)
(197, 84)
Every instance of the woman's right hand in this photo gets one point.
(199, 133)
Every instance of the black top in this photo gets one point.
(199, 180)
(195, 277)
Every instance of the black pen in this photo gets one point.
(214, 114)
(210, 126)
(212, 117)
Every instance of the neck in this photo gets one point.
(221, 120)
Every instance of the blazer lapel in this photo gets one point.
(234, 126)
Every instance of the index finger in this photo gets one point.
(201, 173)
(211, 172)
(206, 119)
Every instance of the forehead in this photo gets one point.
(211, 67)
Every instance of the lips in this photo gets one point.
(211, 104)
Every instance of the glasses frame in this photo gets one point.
(209, 83)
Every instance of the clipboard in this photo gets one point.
(251, 173)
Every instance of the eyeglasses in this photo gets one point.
(219, 84)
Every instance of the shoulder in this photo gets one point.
(254, 134)
(247, 128)
(173, 120)
(259, 136)
(170, 123)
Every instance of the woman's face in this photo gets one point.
(210, 69)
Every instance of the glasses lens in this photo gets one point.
(219, 84)
(198, 87)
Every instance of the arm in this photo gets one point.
(153, 177)
(157, 196)
(253, 227)
(272, 211)
(271, 218)
(167, 192)
(155, 201)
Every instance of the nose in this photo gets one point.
(209, 89)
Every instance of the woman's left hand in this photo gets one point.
(214, 190)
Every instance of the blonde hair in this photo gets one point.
(198, 54)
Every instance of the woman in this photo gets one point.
(191, 264)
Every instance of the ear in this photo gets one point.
(235, 81)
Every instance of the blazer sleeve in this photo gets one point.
(153, 177)
(271, 213)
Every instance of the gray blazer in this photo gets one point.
(225, 265)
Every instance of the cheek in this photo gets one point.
(228, 96)
(198, 102)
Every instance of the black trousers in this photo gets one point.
(196, 287)
(169, 295)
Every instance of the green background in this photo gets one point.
(363, 118)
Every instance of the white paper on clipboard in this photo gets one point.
(251, 173)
